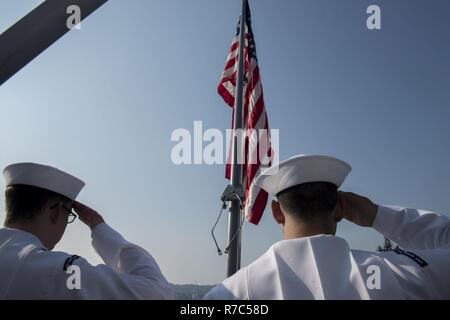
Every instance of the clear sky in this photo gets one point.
(103, 101)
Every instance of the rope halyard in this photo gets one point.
(226, 197)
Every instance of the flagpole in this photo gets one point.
(234, 218)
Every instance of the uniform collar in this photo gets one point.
(24, 236)
(316, 239)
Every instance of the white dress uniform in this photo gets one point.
(324, 266)
(29, 271)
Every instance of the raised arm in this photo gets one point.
(410, 228)
(413, 228)
(134, 270)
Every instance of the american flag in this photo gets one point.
(254, 117)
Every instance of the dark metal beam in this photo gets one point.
(37, 31)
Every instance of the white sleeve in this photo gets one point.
(130, 272)
(219, 292)
(232, 288)
(136, 267)
(413, 228)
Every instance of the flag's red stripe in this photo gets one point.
(258, 207)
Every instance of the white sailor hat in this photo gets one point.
(302, 169)
(44, 177)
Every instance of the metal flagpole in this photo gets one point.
(234, 218)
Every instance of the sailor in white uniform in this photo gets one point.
(312, 263)
(39, 201)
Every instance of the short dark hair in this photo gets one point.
(309, 201)
(23, 203)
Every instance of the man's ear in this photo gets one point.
(54, 213)
(278, 215)
(338, 210)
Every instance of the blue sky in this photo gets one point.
(103, 101)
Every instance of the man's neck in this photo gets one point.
(30, 228)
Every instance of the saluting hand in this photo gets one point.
(87, 215)
(357, 209)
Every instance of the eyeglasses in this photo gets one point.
(72, 215)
